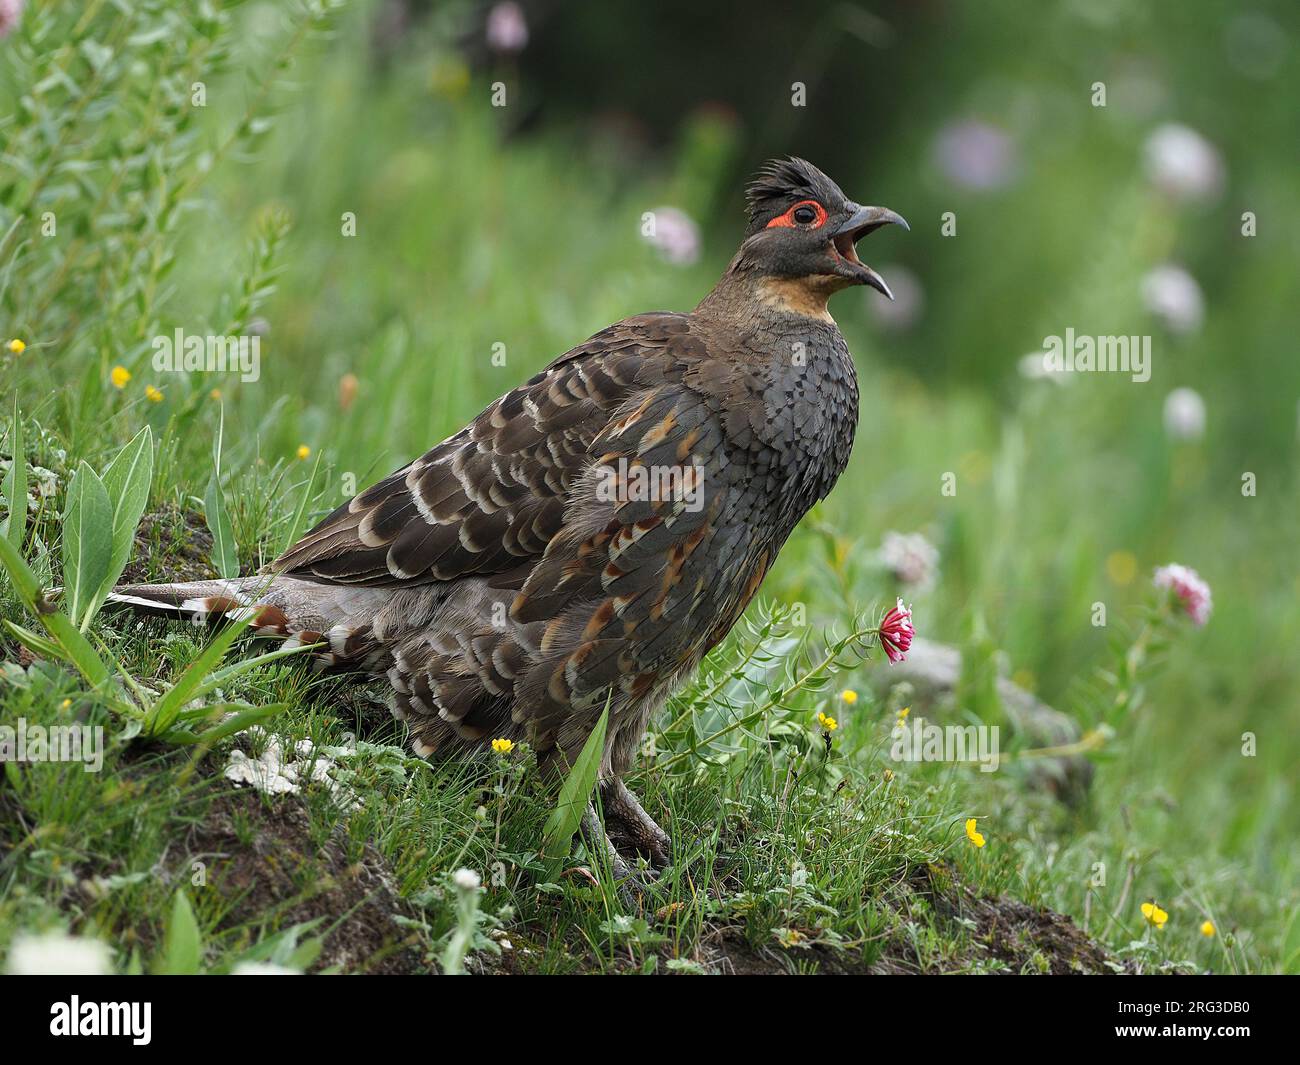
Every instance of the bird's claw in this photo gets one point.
(628, 831)
(630, 828)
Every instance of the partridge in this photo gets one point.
(592, 534)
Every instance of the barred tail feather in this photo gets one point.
(298, 612)
(198, 601)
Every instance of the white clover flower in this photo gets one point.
(1184, 414)
(674, 235)
(1173, 296)
(58, 954)
(466, 879)
(1183, 164)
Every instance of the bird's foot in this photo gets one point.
(630, 829)
(628, 833)
(630, 881)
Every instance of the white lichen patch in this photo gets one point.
(281, 770)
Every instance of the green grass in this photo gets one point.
(786, 854)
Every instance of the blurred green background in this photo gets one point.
(520, 225)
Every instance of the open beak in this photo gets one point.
(862, 221)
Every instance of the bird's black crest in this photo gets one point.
(780, 183)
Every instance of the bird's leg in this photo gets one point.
(630, 828)
(626, 879)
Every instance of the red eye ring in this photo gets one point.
(787, 219)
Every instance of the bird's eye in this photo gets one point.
(803, 213)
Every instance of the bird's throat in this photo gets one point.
(802, 296)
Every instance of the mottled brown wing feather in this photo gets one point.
(658, 581)
(491, 497)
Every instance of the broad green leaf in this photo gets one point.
(306, 954)
(15, 486)
(224, 555)
(74, 644)
(78, 649)
(20, 574)
(575, 793)
(183, 945)
(243, 717)
(87, 543)
(35, 642)
(126, 479)
(288, 947)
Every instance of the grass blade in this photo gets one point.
(224, 555)
(183, 946)
(228, 673)
(15, 486)
(36, 643)
(244, 716)
(557, 835)
(167, 709)
(300, 514)
(78, 649)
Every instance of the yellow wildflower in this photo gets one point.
(1154, 914)
(975, 837)
(827, 722)
(66, 704)
(503, 746)
(16, 346)
(152, 394)
(902, 714)
(120, 376)
(1207, 929)
(849, 696)
(303, 451)
(215, 394)
(790, 937)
